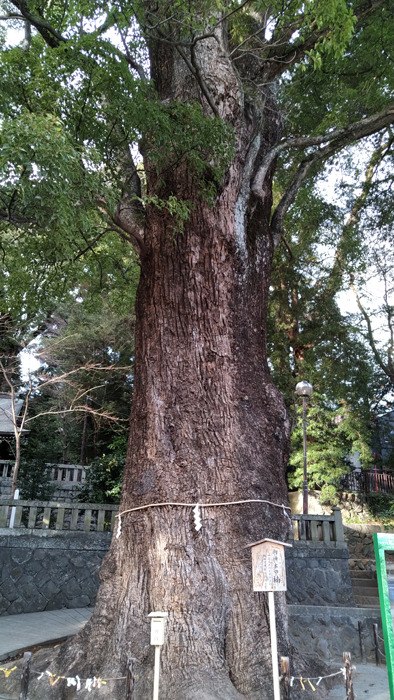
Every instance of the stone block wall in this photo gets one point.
(327, 632)
(359, 538)
(318, 575)
(49, 570)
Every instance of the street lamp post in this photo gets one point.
(305, 390)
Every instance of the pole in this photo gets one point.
(274, 645)
(376, 638)
(285, 668)
(305, 483)
(25, 675)
(362, 647)
(156, 674)
(347, 660)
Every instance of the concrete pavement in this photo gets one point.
(22, 632)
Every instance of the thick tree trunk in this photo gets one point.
(207, 426)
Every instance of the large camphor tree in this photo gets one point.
(214, 93)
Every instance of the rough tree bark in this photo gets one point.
(207, 426)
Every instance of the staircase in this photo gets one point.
(365, 588)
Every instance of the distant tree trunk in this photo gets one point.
(82, 452)
(207, 425)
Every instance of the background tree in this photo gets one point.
(78, 338)
(208, 424)
(50, 395)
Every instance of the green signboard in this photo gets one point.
(384, 542)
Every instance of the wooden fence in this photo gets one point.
(65, 478)
(54, 515)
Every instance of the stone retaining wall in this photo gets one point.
(49, 570)
(318, 575)
(360, 544)
(327, 632)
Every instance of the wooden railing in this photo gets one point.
(66, 473)
(323, 529)
(54, 515)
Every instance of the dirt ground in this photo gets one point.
(369, 682)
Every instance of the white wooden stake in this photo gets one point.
(274, 645)
(158, 622)
(13, 510)
(156, 674)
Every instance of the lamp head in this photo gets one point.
(304, 389)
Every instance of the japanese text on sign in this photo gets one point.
(269, 572)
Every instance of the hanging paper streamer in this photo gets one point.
(7, 671)
(287, 516)
(197, 517)
(317, 678)
(119, 530)
(74, 681)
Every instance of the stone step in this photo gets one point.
(372, 580)
(365, 590)
(366, 601)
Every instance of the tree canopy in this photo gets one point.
(237, 109)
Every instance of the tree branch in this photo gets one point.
(384, 367)
(341, 137)
(52, 37)
(333, 142)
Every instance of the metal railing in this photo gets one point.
(368, 481)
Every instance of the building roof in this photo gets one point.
(6, 421)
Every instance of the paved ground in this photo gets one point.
(20, 632)
(369, 682)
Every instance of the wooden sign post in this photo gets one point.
(269, 575)
(157, 630)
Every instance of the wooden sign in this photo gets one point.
(268, 562)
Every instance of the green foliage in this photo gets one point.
(70, 110)
(381, 506)
(350, 84)
(104, 476)
(332, 435)
(182, 131)
(34, 480)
